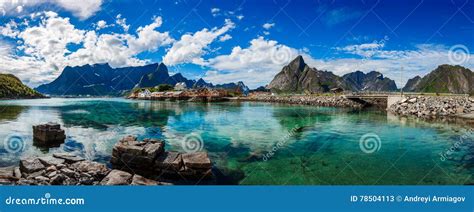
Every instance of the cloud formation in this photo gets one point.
(82, 10)
(191, 47)
(44, 43)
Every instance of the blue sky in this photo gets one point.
(244, 40)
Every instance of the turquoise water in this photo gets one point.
(255, 143)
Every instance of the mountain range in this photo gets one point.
(103, 80)
(298, 77)
(12, 88)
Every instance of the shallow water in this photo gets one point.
(255, 143)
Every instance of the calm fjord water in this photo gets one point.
(310, 145)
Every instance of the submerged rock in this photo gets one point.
(49, 134)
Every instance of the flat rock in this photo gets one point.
(169, 160)
(69, 158)
(68, 172)
(30, 165)
(51, 161)
(117, 177)
(95, 169)
(140, 180)
(197, 160)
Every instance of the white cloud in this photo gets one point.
(191, 47)
(240, 17)
(225, 37)
(215, 11)
(43, 49)
(10, 29)
(267, 26)
(122, 22)
(83, 9)
(101, 25)
(255, 65)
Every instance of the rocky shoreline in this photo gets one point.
(433, 106)
(326, 101)
(427, 107)
(133, 163)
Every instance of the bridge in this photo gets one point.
(381, 100)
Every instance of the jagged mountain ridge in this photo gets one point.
(372, 81)
(298, 77)
(103, 80)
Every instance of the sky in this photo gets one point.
(241, 40)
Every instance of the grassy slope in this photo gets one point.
(12, 87)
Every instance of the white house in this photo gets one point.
(144, 94)
(180, 86)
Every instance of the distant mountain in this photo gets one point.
(155, 78)
(298, 77)
(96, 80)
(202, 84)
(372, 81)
(261, 89)
(12, 88)
(234, 87)
(412, 84)
(103, 80)
(445, 79)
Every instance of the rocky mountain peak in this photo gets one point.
(297, 63)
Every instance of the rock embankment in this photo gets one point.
(433, 106)
(326, 101)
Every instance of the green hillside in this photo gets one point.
(12, 88)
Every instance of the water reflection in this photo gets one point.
(316, 145)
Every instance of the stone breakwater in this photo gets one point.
(326, 101)
(433, 106)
